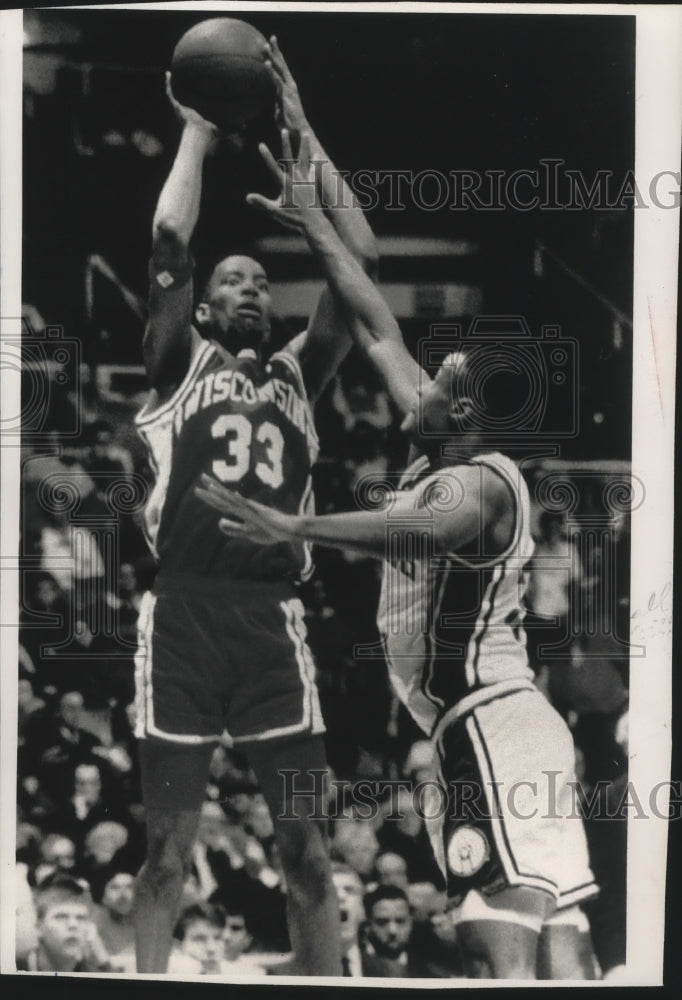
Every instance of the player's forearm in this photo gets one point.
(345, 214)
(360, 532)
(369, 317)
(177, 210)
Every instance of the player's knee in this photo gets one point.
(166, 862)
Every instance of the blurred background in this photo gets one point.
(384, 93)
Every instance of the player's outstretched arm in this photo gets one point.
(322, 347)
(169, 338)
(366, 312)
(344, 210)
(454, 508)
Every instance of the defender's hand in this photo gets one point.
(289, 111)
(297, 184)
(246, 518)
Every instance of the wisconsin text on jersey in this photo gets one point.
(237, 387)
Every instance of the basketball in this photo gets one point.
(218, 69)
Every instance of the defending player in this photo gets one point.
(223, 643)
(457, 536)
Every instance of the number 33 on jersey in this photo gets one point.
(249, 425)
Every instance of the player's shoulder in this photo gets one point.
(490, 478)
(285, 362)
(502, 474)
(163, 400)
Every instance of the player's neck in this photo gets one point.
(238, 350)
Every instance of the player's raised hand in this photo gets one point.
(296, 178)
(289, 111)
(245, 518)
(188, 116)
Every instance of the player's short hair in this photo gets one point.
(59, 888)
(206, 277)
(212, 913)
(380, 894)
(493, 388)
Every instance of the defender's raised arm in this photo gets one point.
(366, 312)
(326, 341)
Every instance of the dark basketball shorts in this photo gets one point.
(503, 808)
(224, 657)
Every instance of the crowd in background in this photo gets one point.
(80, 835)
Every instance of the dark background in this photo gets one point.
(384, 92)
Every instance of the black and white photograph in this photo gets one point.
(338, 370)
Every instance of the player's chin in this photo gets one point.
(249, 330)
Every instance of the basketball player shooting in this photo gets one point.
(459, 536)
(223, 643)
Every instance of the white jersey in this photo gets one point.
(452, 624)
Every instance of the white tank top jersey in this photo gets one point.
(452, 624)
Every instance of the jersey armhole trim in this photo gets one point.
(292, 363)
(146, 417)
(518, 520)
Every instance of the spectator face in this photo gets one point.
(103, 841)
(425, 901)
(359, 846)
(236, 938)
(391, 869)
(203, 942)
(71, 709)
(127, 580)
(119, 895)
(349, 891)
(212, 825)
(389, 926)
(63, 932)
(87, 782)
(60, 852)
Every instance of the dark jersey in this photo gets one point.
(248, 424)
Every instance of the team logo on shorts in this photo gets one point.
(468, 851)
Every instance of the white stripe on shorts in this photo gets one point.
(144, 689)
(502, 843)
(311, 714)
